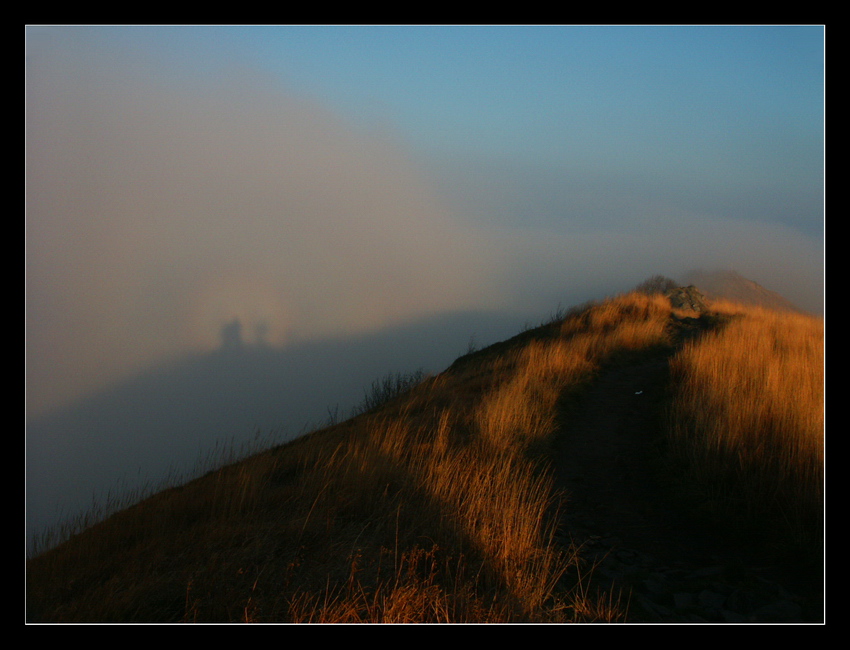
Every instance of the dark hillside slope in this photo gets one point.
(484, 494)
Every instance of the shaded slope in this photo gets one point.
(164, 423)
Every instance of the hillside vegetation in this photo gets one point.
(437, 503)
(748, 420)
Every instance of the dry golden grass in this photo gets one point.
(434, 507)
(428, 509)
(749, 417)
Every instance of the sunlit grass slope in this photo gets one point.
(434, 506)
(748, 419)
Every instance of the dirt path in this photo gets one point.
(622, 511)
(606, 460)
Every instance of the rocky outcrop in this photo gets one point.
(688, 298)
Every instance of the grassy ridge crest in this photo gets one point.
(434, 505)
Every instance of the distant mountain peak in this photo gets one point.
(731, 285)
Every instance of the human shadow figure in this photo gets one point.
(231, 335)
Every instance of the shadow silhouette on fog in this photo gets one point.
(164, 422)
(231, 335)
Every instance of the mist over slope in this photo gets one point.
(167, 421)
(164, 422)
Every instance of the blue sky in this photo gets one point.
(716, 100)
(317, 181)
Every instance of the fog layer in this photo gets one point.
(163, 209)
(156, 213)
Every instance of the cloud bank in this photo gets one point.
(161, 208)
(211, 255)
(158, 212)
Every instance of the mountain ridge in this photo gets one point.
(437, 505)
(731, 285)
